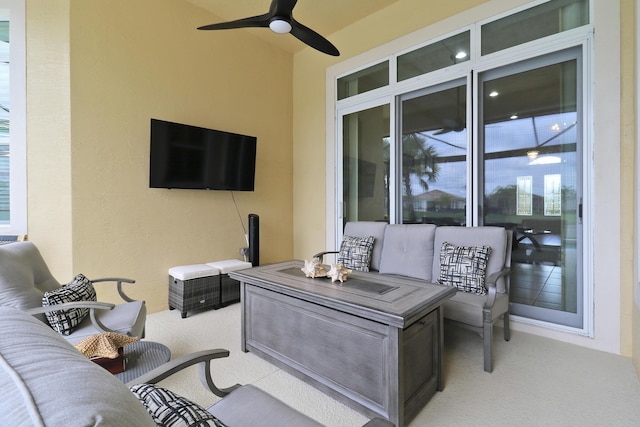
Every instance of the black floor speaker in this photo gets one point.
(254, 239)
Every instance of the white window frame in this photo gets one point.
(582, 36)
(14, 10)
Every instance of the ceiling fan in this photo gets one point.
(280, 20)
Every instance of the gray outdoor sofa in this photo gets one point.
(415, 250)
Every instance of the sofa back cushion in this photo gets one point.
(495, 237)
(24, 276)
(408, 250)
(45, 381)
(366, 229)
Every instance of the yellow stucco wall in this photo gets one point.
(121, 64)
(48, 131)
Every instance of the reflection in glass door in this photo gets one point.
(365, 165)
(530, 135)
(434, 155)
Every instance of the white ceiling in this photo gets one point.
(323, 16)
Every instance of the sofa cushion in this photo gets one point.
(496, 237)
(45, 381)
(464, 267)
(355, 252)
(65, 321)
(171, 410)
(468, 308)
(408, 250)
(366, 229)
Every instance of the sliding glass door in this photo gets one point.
(482, 126)
(530, 148)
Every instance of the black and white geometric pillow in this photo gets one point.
(79, 289)
(464, 267)
(355, 252)
(171, 410)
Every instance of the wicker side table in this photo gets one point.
(193, 287)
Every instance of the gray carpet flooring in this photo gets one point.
(536, 381)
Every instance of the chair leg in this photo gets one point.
(507, 330)
(487, 334)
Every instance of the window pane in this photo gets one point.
(442, 54)
(363, 81)
(366, 165)
(4, 183)
(434, 148)
(524, 196)
(544, 20)
(5, 108)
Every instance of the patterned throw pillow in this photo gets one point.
(171, 410)
(79, 289)
(464, 267)
(355, 252)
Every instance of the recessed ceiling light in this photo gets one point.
(461, 55)
(513, 117)
(493, 94)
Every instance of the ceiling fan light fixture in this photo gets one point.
(279, 26)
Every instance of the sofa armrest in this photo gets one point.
(491, 286)
(202, 357)
(320, 255)
(119, 281)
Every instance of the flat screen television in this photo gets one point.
(190, 157)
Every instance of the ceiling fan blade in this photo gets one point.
(254, 21)
(282, 8)
(313, 39)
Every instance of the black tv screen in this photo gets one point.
(191, 157)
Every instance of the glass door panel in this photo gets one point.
(365, 165)
(531, 144)
(434, 156)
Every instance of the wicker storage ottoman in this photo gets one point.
(194, 287)
(229, 288)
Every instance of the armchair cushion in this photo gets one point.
(24, 276)
(464, 267)
(355, 252)
(65, 321)
(171, 410)
(126, 319)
